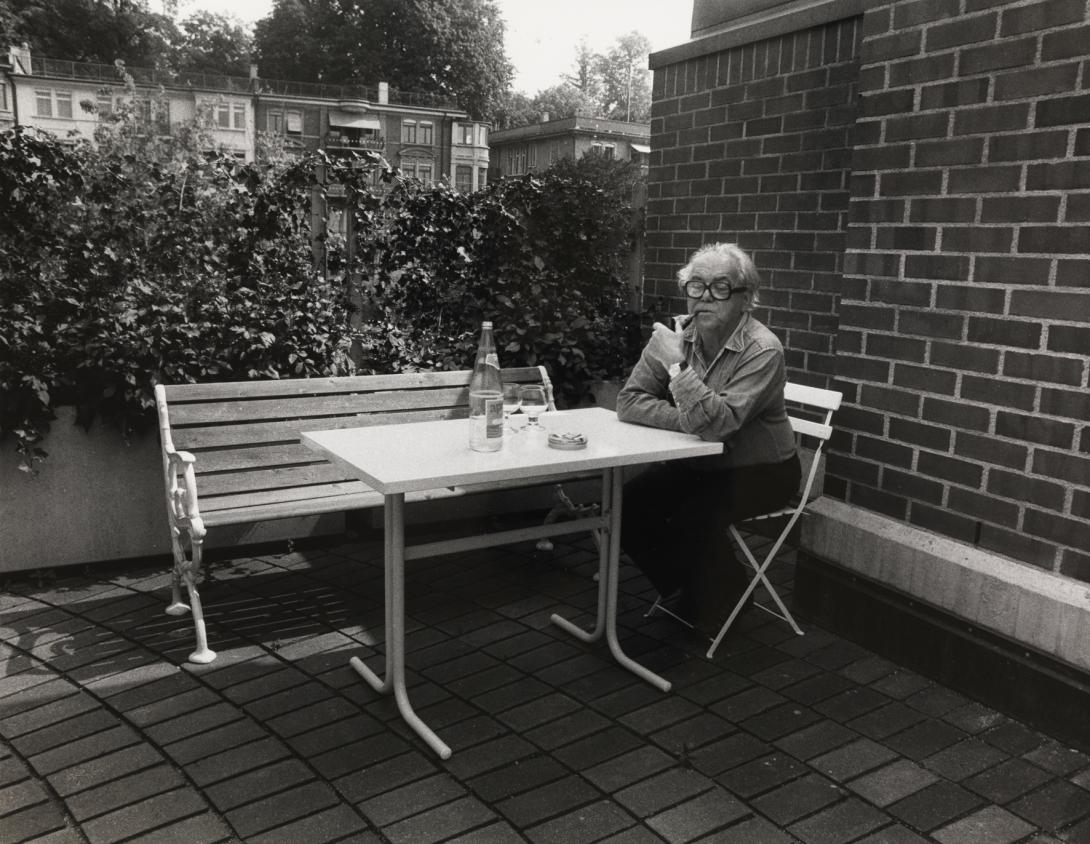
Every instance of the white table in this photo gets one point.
(402, 458)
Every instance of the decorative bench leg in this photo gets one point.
(190, 570)
(177, 606)
(187, 571)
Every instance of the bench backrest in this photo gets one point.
(246, 434)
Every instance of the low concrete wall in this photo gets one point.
(1044, 611)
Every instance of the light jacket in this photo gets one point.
(736, 398)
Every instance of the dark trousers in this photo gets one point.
(675, 518)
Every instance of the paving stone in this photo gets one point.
(662, 790)
(924, 739)
(901, 684)
(581, 722)
(281, 808)
(1053, 756)
(964, 759)
(699, 815)
(686, 736)
(124, 791)
(597, 747)
(815, 740)
(782, 720)
(803, 796)
(991, 825)
(1013, 737)
(33, 821)
(48, 737)
(851, 703)
(48, 714)
(632, 835)
(519, 776)
(867, 670)
(234, 734)
(489, 756)
(21, 795)
(892, 783)
(895, 834)
(256, 784)
(842, 822)
(500, 832)
(11, 770)
(146, 815)
(886, 720)
(585, 824)
(546, 801)
(1053, 806)
(1009, 779)
(64, 835)
(534, 712)
(727, 753)
(852, 759)
(235, 761)
(973, 718)
(762, 774)
(193, 723)
(935, 805)
(662, 713)
(441, 822)
(411, 798)
(103, 768)
(201, 829)
(622, 771)
(83, 750)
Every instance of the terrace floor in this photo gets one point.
(107, 734)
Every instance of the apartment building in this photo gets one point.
(424, 136)
(537, 146)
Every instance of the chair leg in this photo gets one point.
(758, 577)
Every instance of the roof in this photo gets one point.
(638, 132)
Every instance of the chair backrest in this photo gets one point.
(814, 402)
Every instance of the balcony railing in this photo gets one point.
(336, 141)
(94, 72)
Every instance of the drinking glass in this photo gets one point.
(533, 405)
(512, 400)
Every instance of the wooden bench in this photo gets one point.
(231, 453)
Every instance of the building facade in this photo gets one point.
(911, 177)
(539, 145)
(425, 137)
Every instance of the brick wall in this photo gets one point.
(914, 184)
(965, 316)
(752, 145)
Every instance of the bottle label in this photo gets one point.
(493, 414)
(492, 359)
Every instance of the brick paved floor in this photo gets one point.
(107, 734)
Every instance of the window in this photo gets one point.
(408, 131)
(4, 98)
(605, 150)
(274, 122)
(104, 105)
(50, 103)
(231, 116)
(466, 134)
(531, 156)
(294, 122)
(482, 177)
(463, 178)
(554, 152)
(426, 128)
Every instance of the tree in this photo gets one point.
(626, 87)
(451, 48)
(561, 101)
(584, 75)
(212, 43)
(91, 30)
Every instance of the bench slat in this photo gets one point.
(329, 386)
(232, 459)
(301, 407)
(271, 478)
(196, 439)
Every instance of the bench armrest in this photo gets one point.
(182, 502)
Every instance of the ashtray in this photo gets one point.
(568, 440)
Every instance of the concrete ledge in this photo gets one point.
(714, 33)
(1043, 611)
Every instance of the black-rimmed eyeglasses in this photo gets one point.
(721, 290)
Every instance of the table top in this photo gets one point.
(417, 456)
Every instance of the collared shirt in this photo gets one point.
(736, 398)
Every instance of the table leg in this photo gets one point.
(373, 680)
(603, 578)
(395, 624)
(608, 580)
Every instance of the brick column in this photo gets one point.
(965, 318)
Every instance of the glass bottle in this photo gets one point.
(486, 396)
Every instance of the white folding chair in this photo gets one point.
(818, 405)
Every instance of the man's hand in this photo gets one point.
(665, 345)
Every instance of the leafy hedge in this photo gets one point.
(125, 267)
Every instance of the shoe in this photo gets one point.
(713, 614)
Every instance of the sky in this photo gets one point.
(541, 34)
